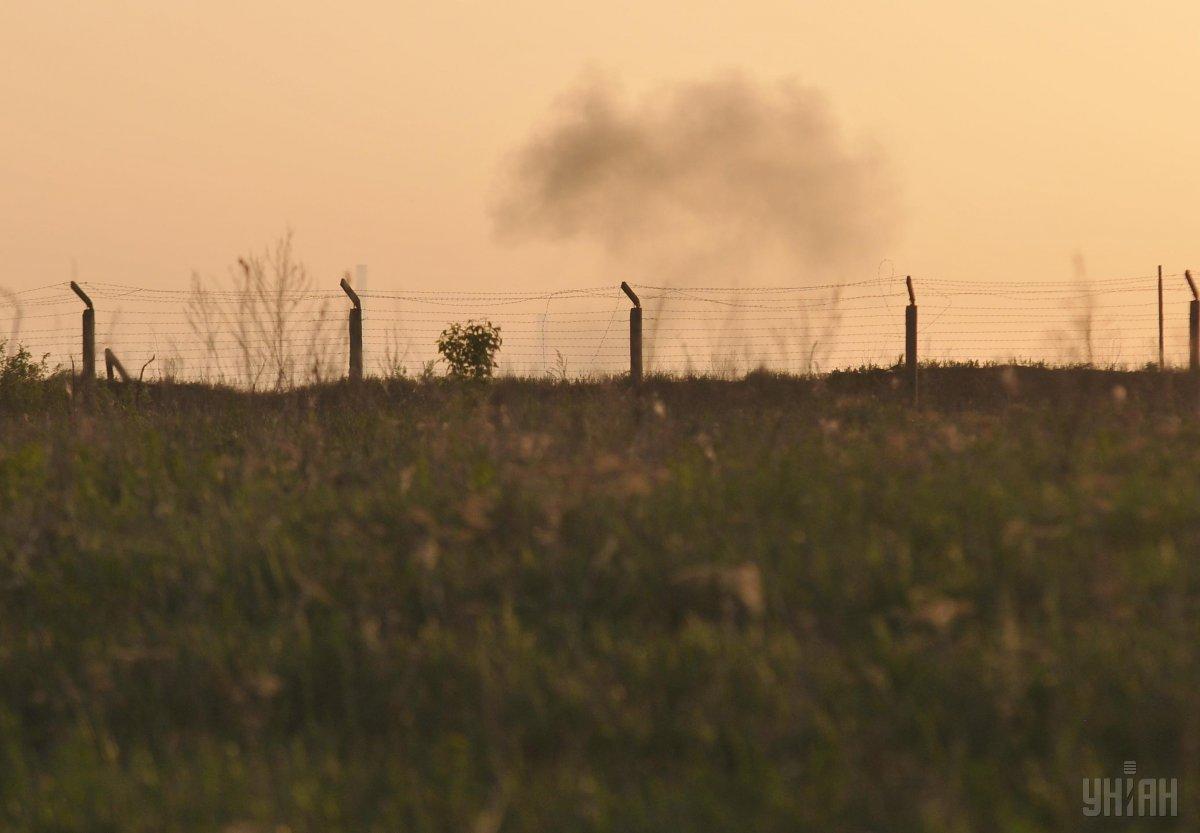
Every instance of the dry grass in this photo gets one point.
(771, 604)
(282, 339)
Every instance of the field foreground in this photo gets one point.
(771, 604)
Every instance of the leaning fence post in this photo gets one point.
(635, 335)
(89, 334)
(113, 364)
(356, 358)
(910, 338)
(1193, 326)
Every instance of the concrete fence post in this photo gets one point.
(910, 339)
(356, 342)
(1162, 353)
(89, 335)
(635, 335)
(1193, 326)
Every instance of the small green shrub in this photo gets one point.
(470, 349)
(21, 376)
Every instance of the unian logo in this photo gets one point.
(1131, 797)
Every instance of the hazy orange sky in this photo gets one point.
(146, 139)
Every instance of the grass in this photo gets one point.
(771, 604)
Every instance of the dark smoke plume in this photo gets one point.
(708, 179)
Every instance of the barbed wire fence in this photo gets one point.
(291, 336)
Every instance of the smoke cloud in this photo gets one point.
(702, 180)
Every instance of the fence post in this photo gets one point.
(1193, 326)
(356, 358)
(635, 335)
(112, 363)
(89, 335)
(910, 338)
(1162, 361)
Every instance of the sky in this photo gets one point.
(145, 141)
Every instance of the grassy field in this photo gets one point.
(772, 604)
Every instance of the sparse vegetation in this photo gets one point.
(258, 329)
(770, 604)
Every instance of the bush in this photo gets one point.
(21, 377)
(470, 350)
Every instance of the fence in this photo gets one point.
(279, 336)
